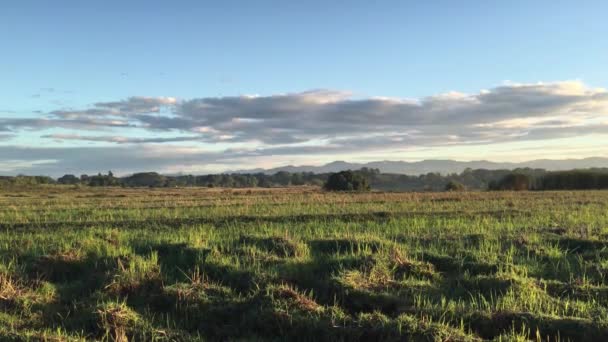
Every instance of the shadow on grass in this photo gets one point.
(277, 245)
(343, 246)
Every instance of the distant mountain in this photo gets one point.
(441, 166)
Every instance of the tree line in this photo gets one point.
(365, 178)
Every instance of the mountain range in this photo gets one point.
(441, 166)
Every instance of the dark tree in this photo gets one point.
(346, 181)
(68, 179)
(513, 182)
(575, 179)
(149, 179)
(103, 180)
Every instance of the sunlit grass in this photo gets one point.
(299, 264)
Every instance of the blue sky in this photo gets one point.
(66, 56)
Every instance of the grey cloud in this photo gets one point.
(4, 136)
(16, 124)
(338, 117)
(565, 132)
(325, 113)
(138, 104)
(164, 123)
(429, 138)
(131, 106)
(119, 139)
(87, 113)
(120, 159)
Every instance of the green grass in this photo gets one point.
(299, 264)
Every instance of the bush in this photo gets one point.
(346, 181)
(454, 186)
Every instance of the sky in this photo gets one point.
(211, 86)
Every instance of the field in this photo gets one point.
(298, 264)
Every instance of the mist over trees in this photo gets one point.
(479, 179)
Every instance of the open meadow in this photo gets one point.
(300, 264)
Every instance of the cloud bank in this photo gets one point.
(316, 122)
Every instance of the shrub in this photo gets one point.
(454, 186)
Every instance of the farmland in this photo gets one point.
(80, 263)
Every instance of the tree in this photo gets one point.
(149, 179)
(454, 186)
(102, 180)
(68, 179)
(575, 179)
(297, 179)
(346, 181)
(283, 178)
(514, 182)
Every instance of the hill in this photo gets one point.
(441, 166)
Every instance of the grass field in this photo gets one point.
(298, 264)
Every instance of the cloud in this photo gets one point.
(103, 115)
(138, 104)
(299, 117)
(119, 139)
(120, 159)
(130, 106)
(6, 136)
(318, 122)
(18, 124)
(324, 114)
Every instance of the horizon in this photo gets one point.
(523, 164)
(233, 86)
